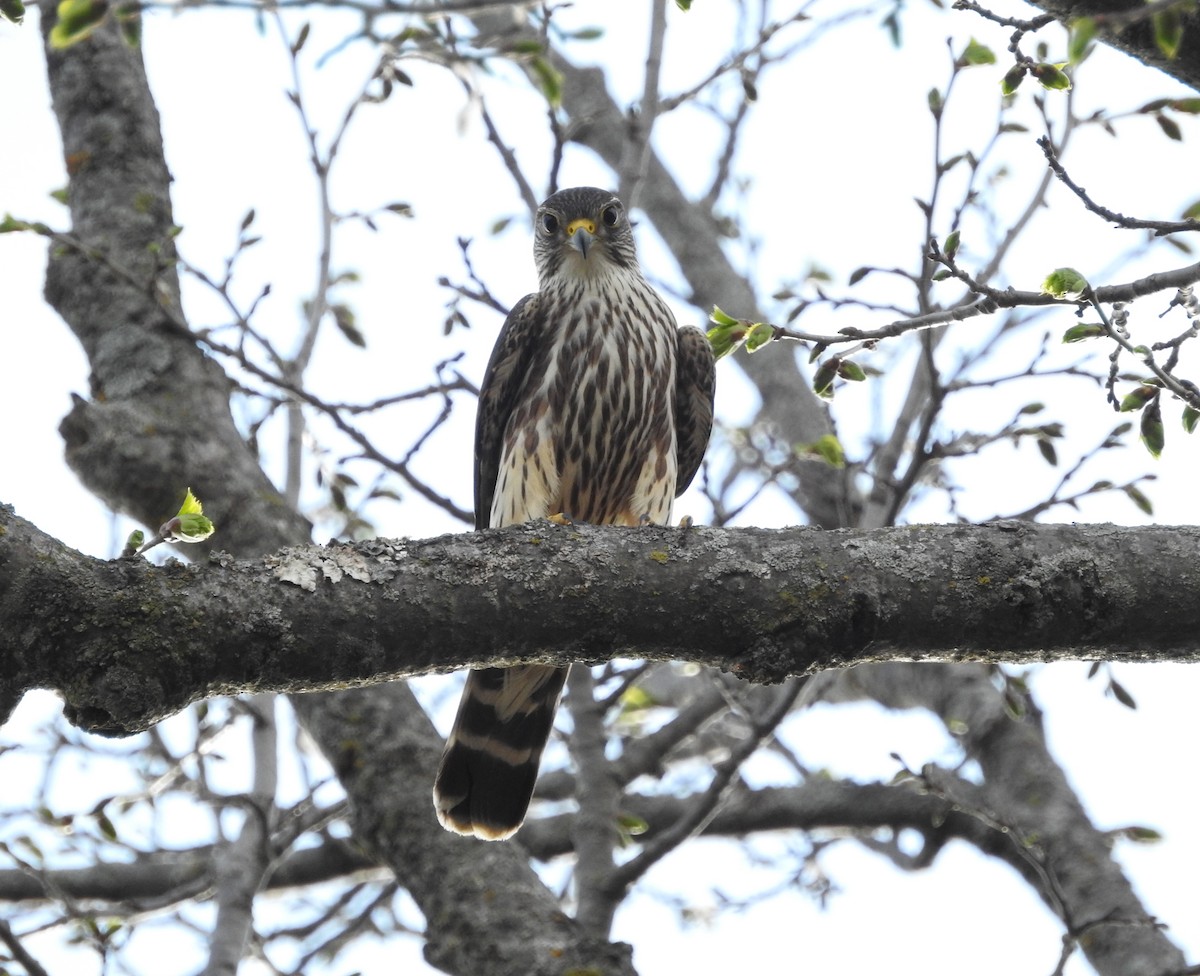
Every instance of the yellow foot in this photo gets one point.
(561, 518)
(686, 522)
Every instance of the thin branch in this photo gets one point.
(19, 952)
(703, 808)
(598, 794)
(636, 157)
(241, 867)
(1159, 227)
(174, 318)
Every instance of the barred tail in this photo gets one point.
(486, 776)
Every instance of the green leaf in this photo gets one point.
(106, 826)
(1139, 835)
(823, 377)
(527, 46)
(950, 247)
(718, 317)
(727, 335)
(1169, 127)
(684, 5)
(935, 102)
(1051, 76)
(637, 699)
(343, 317)
(1153, 435)
(1136, 496)
(76, 20)
(1012, 78)
(976, 53)
(191, 528)
(1168, 32)
(1031, 408)
(829, 449)
(1084, 330)
(632, 824)
(891, 23)
(1191, 106)
(1138, 398)
(759, 335)
(1190, 416)
(549, 80)
(301, 38)
(11, 225)
(1047, 449)
(1065, 283)
(850, 370)
(190, 525)
(1120, 694)
(13, 10)
(1192, 212)
(1079, 44)
(191, 505)
(859, 273)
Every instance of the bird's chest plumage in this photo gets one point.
(595, 436)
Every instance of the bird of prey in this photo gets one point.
(595, 406)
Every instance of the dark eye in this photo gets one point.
(610, 215)
(549, 223)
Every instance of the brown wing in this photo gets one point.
(519, 339)
(695, 386)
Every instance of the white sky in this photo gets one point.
(837, 149)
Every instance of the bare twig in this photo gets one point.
(19, 952)
(1159, 227)
(704, 807)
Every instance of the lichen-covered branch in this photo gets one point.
(127, 643)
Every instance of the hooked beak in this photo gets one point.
(581, 233)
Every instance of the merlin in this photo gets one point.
(597, 407)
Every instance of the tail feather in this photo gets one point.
(486, 776)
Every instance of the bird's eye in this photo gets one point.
(610, 215)
(549, 223)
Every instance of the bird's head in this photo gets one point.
(582, 232)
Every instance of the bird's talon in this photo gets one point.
(686, 522)
(561, 518)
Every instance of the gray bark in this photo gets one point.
(128, 643)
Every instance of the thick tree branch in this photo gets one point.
(127, 643)
(170, 876)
